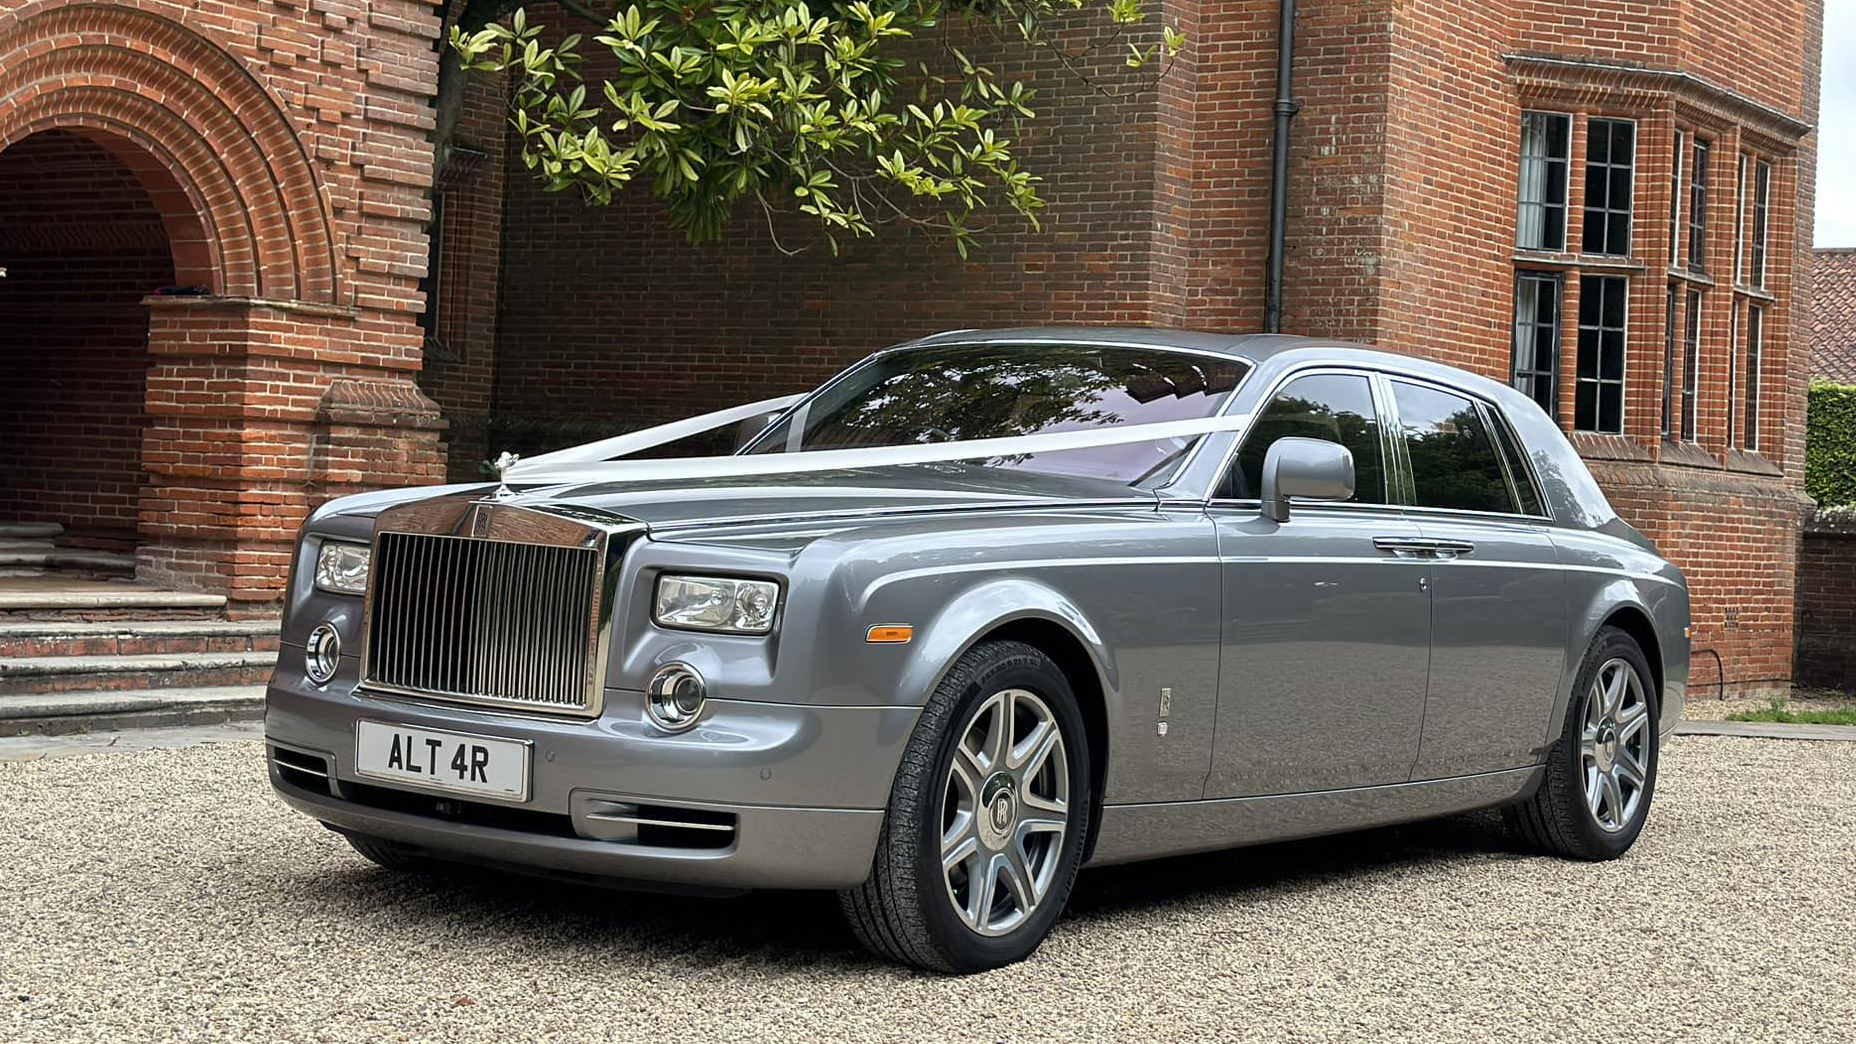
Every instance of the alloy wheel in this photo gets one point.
(1005, 811)
(1615, 748)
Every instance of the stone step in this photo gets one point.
(9, 545)
(67, 560)
(29, 530)
(62, 713)
(104, 601)
(135, 637)
(62, 674)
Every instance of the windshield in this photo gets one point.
(961, 392)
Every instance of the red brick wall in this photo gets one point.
(1827, 604)
(460, 355)
(82, 245)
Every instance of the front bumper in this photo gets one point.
(769, 795)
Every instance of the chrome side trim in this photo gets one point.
(637, 820)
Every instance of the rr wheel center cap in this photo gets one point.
(1605, 746)
(998, 811)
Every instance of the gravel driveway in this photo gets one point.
(167, 894)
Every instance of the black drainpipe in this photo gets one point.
(1286, 108)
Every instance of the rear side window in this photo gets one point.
(1332, 407)
(1454, 461)
(1517, 464)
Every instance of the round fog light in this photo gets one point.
(675, 697)
(322, 654)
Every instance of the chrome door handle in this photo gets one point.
(1423, 547)
(1404, 547)
(1451, 548)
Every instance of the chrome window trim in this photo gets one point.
(1325, 506)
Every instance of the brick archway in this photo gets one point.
(245, 209)
(292, 204)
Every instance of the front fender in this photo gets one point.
(984, 607)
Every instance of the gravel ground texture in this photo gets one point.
(165, 894)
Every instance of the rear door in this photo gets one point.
(1327, 621)
(1498, 609)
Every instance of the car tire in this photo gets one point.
(1610, 732)
(389, 855)
(990, 805)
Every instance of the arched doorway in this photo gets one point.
(149, 144)
(82, 243)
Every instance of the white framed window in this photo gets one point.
(1755, 323)
(1598, 393)
(1537, 338)
(1691, 367)
(1546, 150)
(1610, 172)
(1762, 195)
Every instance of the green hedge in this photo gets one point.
(1830, 448)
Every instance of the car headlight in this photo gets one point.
(716, 603)
(342, 568)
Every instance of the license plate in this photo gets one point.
(482, 766)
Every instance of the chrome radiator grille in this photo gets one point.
(484, 621)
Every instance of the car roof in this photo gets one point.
(1254, 346)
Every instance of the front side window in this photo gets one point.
(949, 393)
(1598, 395)
(1546, 139)
(1698, 209)
(1454, 461)
(1537, 338)
(1691, 365)
(1332, 407)
(1610, 162)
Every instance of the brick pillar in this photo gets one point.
(258, 412)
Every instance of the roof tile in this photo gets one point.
(1833, 323)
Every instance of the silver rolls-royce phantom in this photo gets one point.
(982, 610)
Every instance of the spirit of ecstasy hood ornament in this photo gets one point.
(503, 462)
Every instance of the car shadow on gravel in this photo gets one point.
(1287, 867)
(792, 929)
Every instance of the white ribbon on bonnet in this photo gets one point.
(594, 461)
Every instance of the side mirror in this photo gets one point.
(1309, 468)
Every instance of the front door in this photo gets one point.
(1327, 617)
